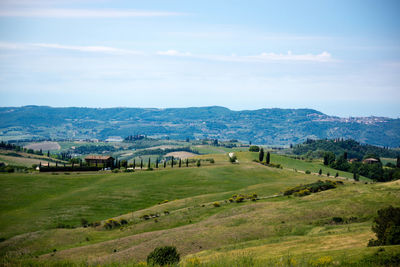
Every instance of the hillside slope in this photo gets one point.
(264, 126)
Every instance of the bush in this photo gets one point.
(231, 200)
(216, 204)
(167, 255)
(312, 188)
(254, 149)
(239, 199)
(337, 219)
(198, 163)
(84, 222)
(308, 172)
(111, 224)
(386, 227)
(301, 193)
(212, 161)
(123, 222)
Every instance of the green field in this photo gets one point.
(274, 228)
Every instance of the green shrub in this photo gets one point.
(198, 163)
(308, 172)
(167, 255)
(212, 161)
(254, 149)
(123, 221)
(239, 199)
(312, 188)
(337, 219)
(216, 204)
(231, 200)
(84, 222)
(115, 171)
(111, 224)
(386, 227)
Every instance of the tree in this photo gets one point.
(337, 175)
(355, 176)
(254, 148)
(157, 163)
(134, 163)
(180, 163)
(268, 158)
(172, 161)
(320, 172)
(386, 227)
(148, 165)
(329, 158)
(48, 153)
(141, 163)
(163, 256)
(187, 163)
(345, 155)
(261, 155)
(398, 162)
(165, 163)
(198, 164)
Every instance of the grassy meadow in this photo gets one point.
(41, 215)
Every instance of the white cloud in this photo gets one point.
(173, 53)
(323, 57)
(83, 13)
(92, 49)
(98, 49)
(263, 57)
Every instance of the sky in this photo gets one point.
(341, 57)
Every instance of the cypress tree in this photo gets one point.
(172, 162)
(141, 163)
(40, 165)
(165, 163)
(148, 165)
(398, 162)
(320, 172)
(268, 158)
(48, 164)
(180, 163)
(48, 153)
(157, 163)
(187, 163)
(261, 155)
(345, 155)
(56, 164)
(134, 163)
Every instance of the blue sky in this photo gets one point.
(339, 57)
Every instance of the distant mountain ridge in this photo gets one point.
(263, 126)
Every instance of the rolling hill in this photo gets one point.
(263, 126)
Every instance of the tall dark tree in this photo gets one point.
(141, 163)
(355, 176)
(165, 163)
(172, 162)
(320, 172)
(180, 163)
(345, 155)
(187, 163)
(48, 153)
(148, 165)
(157, 163)
(261, 155)
(268, 158)
(398, 162)
(134, 163)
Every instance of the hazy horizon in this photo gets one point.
(338, 57)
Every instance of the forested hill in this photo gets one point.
(353, 148)
(263, 126)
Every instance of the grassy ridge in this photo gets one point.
(265, 231)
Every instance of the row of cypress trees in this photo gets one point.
(261, 156)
